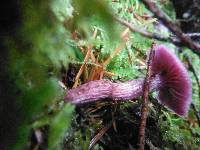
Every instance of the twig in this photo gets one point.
(141, 136)
(186, 40)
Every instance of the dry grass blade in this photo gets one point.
(124, 37)
(99, 135)
(87, 56)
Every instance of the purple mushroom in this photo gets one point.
(168, 77)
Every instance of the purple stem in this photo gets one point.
(101, 89)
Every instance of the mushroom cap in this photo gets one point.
(176, 89)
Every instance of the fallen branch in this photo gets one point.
(146, 33)
(185, 40)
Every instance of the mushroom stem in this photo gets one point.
(101, 89)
